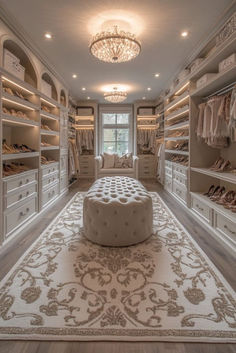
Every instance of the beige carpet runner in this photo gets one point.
(165, 289)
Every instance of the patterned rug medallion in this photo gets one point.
(165, 289)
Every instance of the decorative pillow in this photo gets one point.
(129, 159)
(119, 161)
(109, 160)
(125, 161)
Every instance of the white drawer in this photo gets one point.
(19, 195)
(50, 179)
(180, 169)
(86, 157)
(63, 163)
(54, 167)
(180, 191)
(168, 164)
(168, 172)
(180, 179)
(202, 209)
(50, 194)
(17, 217)
(226, 226)
(168, 184)
(63, 182)
(19, 181)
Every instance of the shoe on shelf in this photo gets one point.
(226, 198)
(217, 195)
(224, 167)
(218, 163)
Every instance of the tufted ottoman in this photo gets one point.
(117, 211)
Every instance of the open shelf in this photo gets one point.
(48, 132)
(185, 153)
(48, 101)
(49, 148)
(10, 156)
(14, 101)
(177, 113)
(215, 206)
(184, 97)
(176, 138)
(12, 120)
(13, 81)
(47, 115)
(26, 172)
(179, 87)
(210, 64)
(221, 79)
(184, 124)
(226, 176)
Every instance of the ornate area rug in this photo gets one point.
(165, 289)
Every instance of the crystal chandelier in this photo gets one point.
(115, 96)
(115, 46)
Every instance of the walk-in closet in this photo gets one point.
(118, 176)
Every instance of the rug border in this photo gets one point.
(153, 334)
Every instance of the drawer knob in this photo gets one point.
(22, 214)
(27, 180)
(27, 193)
(20, 196)
(200, 208)
(20, 183)
(231, 231)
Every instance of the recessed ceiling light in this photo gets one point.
(74, 76)
(83, 89)
(149, 89)
(184, 34)
(88, 97)
(157, 75)
(144, 98)
(48, 35)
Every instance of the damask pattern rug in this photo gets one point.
(165, 289)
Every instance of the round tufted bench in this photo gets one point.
(117, 211)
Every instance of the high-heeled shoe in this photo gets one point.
(226, 198)
(217, 195)
(232, 204)
(224, 167)
(217, 164)
(209, 192)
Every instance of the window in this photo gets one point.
(116, 132)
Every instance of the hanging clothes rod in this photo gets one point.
(222, 90)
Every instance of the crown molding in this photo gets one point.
(11, 22)
(224, 16)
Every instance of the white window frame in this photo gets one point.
(109, 109)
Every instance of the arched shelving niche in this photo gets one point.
(30, 73)
(63, 98)
(49, 80)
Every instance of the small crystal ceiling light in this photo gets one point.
(115, 46)
(157, 75)
(74, 76)
(48, 35)
(184, 34)
(83, 89)
(149, 89)
(88, 97)
(115, 96)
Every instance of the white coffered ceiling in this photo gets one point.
(157, 22)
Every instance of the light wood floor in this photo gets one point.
(215, 251)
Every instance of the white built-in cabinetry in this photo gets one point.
(146, 119)
(188, 182)
(29, 117)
